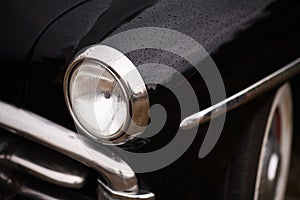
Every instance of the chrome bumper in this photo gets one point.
(121, 180)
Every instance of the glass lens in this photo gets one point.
(97, 99)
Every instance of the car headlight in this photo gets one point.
(106, 95)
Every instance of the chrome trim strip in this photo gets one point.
(33, 189)
(243, 96)
(38, 161)
(107, 193)
(120, 176)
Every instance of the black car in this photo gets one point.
(149, 99)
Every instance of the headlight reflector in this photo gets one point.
(98, 100)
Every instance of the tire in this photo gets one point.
(260, 167)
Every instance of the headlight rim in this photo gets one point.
(133, 96)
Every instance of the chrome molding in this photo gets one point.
(128, 77)
(38, 161)
(107, 193)
(16, 183)
(120, 177)
(243, 96)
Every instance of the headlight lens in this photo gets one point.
(98, 100)
(106, 95)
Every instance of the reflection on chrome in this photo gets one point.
(101, 76)
(34, 189)
(243, 96)
(38, 161)
(107, 193)
(273, 166)
(117, 172)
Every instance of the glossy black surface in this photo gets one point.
(256, 39)
(246, 39)
(22, 23)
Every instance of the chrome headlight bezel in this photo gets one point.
(129, 79)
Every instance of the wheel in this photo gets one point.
(260, 168)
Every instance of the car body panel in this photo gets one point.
(22, 24)
(247, 40)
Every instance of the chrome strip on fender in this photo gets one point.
(243, 96)
(121, 178)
